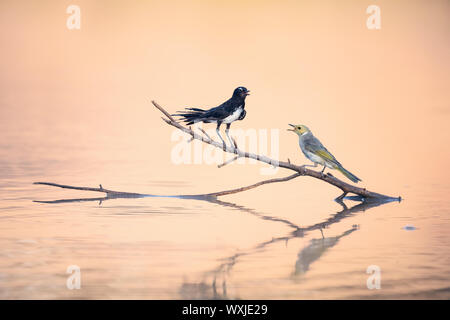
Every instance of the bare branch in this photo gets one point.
(235, 143)
(227, 192)
(204, 132)
(163, 111)
(110, 193)
(119, 194)
(228, 161)
(345, 187)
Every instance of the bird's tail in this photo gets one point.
(348, 174)
(191, 115)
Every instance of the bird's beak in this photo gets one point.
(247, 93)
(291, 126)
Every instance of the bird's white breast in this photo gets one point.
(234, 116)
(314, 158)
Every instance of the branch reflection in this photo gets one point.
(311, 253)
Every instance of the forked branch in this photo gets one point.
(301, 170)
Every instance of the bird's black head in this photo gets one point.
(241, 92)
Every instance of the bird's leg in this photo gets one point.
(321, 172)
(218, 133)
(227, 130)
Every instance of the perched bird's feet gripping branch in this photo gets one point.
(231, 110)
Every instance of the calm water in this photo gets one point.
(243, 246)
(74, 109)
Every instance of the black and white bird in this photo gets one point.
(228, 112)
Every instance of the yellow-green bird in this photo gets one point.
(317, 153)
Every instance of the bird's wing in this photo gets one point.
(222, 111)
(214, 114)
(313, 145)
(242, 115)
(217, 113)
(325, 154)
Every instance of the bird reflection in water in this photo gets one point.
(308, 255)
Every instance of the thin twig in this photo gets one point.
(204, 132)
(226, 192)
(228, 161)
(120, 194)
(163, 111)
(101, 189)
